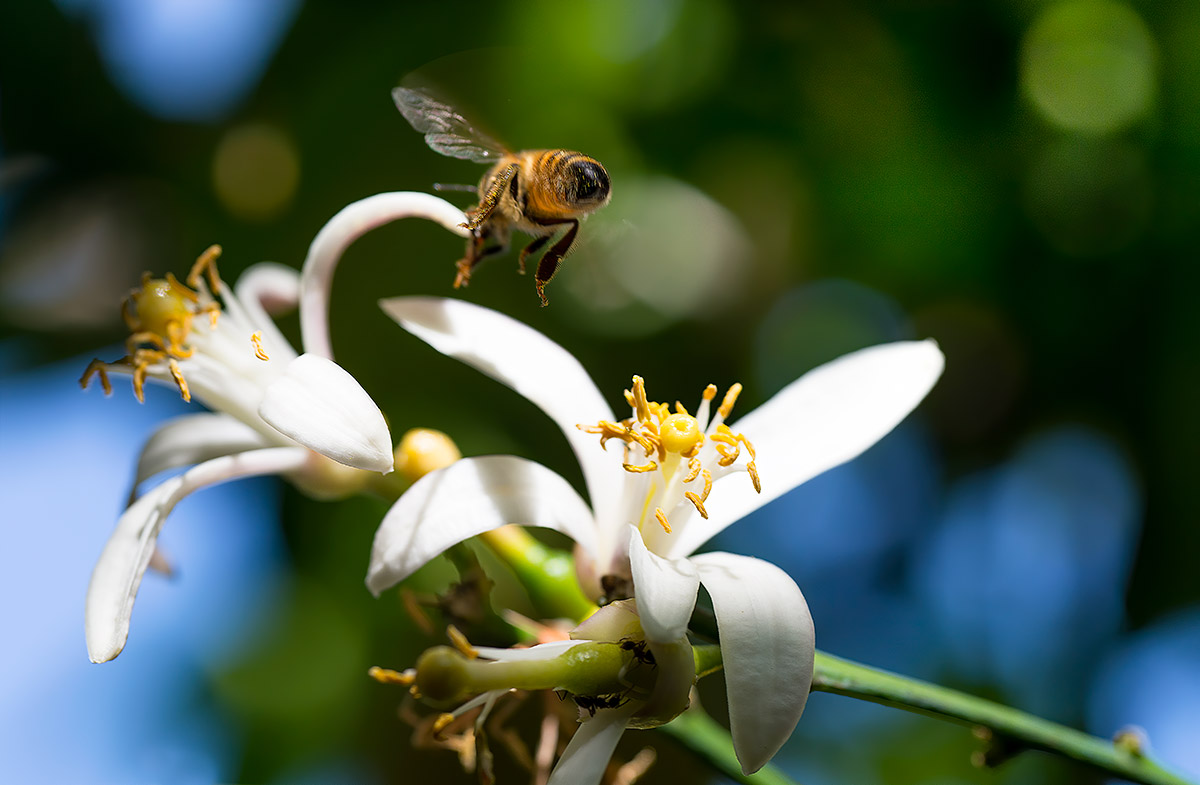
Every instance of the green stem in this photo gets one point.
(547, 574)
(1016, 729)
(710, 742)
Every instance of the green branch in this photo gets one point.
(1013, 730)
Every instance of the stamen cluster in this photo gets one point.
(659, 441)
(159, 314)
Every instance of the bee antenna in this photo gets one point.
(454, 187)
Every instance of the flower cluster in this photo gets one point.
(661, 482)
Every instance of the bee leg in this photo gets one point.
(548, 266)
(530, 249)
(491, 197)
(477, 251)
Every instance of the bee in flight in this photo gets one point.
(539, 192)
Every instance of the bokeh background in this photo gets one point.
(1019, 180)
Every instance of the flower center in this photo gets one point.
(676, 449)
(159, 314)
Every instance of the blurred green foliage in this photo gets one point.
(1020, 180)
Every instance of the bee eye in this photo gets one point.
(590, 180)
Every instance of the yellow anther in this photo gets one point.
(636, 469)
(698, 503)
(741, 437)
(460, 642)
(694, 467)
(662, 519)
(139, 378)
(177, 375)
(753, 470)
(180, 289)
(441, 722)
(256, 339)
(388, 676)
(96, 367)
(640, 404)
(730, 399)
(206, 263)
(680, 408)
(709, 393)
(680, 433)
(629, 398)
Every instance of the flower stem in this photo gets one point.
(547, 574)
(1013, 729)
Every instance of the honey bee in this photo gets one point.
(538, 192)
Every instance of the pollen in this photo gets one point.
(661, 517)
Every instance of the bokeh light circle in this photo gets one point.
(1089, 65)
(256, 170)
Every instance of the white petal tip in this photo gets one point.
(321, 406)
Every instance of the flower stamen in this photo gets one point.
(698, 500)
(662, 519)
(206, 264)
(730, 399)
(96, 368)
(389, 676)
(461, 643)
(635, 469)
(256, 339)
(177, 375)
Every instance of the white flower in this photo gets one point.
(272, 411)
(823, 419)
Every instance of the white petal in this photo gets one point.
(351, 222)
(321, 406)
(467, 498)
(529, 363)
(823, 419)
(542, 651)
(767, 644)
(119, 572)
(665, 590)
(584, 760)
(264, 289)
(194, 438)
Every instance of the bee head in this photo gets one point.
(589, 182)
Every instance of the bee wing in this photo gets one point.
(446, 131)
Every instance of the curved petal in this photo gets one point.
(542, 651)
(351, 222)
(823, 419)
(529, 363)
(119, 571)
(665, 590)
(321, 406)
(768, 646)
(467, 498)
(586, 757)
(191, 439)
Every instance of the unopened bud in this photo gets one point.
(423, 450)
